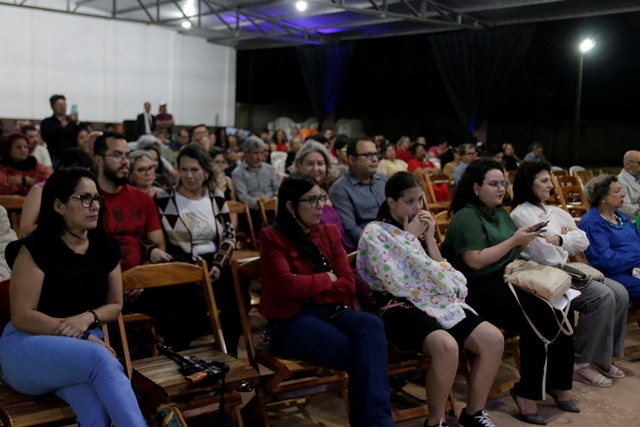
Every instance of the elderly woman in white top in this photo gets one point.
(602, 306)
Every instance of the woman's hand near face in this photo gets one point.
(427, 218)
(416, 226)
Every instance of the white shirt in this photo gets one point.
(198, 217)
(538, 250)
(41, 153)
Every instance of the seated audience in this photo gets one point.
(602, 306)
(614, 242)
(142, 172)
(223, 181)
(306, 281)
(535, 155)
(72, 157)
(401, 244)
(82, 138)
(38, 146)
(295, 144)
(279, 142)
(313, 160)
(340, 160)
(438, 150)
(196, 222)
(480, 241)
(629, 179)
(402, 149)
(419, 166)
(450, 167)
(358, 193)
(19, 170)
(509, 159)
(254, 179)
(389, 164)
(467, 153)
(165, 172)
(132, 218)
(66, 282)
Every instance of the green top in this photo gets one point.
(477, 228)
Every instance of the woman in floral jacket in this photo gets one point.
(420, 298)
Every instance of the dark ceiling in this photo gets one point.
(257, 24)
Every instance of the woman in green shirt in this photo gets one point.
(480, 241)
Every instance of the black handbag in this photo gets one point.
(581, 274)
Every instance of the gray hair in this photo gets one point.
(313, 146)
(146, 140)
(251, 143)
(137, 155)
(598, 187)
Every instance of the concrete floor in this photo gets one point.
(618, 406)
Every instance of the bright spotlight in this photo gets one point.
(186, 24)
(587, 45)
(301, 6)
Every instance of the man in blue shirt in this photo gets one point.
(358, 194)
(536, 153)
(468, 154)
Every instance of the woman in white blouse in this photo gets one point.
(602, 306)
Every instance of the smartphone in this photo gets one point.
(541, 226)
(74, 108)
(334, 313)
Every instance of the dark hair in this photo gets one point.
(100, 146)
(384, 148)
(414, 147)
(598, 187)
(5, 148)
(291, 190)
(27, 128)
(60, 185)
(340, 142)
(76, 157)
(535, 146)
(197, 152)
(352, 147)
(473, 174)
(462, 149)
(523, 182)
(55, 98)
(395, 187)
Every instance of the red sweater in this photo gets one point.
(288, 281)
(7, 188)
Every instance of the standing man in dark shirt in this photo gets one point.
(59, 131)
(145, 122)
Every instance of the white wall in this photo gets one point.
(110, 68)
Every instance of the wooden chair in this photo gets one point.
(558, 172)
(442, 222)
(13, 205)
(583, 177)
(265, 206)
(158, 377)
(605, 172)
(431, 203)
(241, 208)
(288, 378)
(571, 195)
(23, 410)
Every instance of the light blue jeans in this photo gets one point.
(82, 373)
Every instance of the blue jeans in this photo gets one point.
(81, 372)
(354, 342)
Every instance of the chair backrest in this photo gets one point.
(575, 168)
(12, 202)
(242, 273)
(572, 195)
(172, 274)
(241, 208)
(557, 170)
(265, 206)
(442, 222)
(583, 176)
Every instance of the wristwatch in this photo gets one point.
(96, 320)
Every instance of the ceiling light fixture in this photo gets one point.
(301, 6)
(186, 25)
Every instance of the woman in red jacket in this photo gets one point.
(307, 284)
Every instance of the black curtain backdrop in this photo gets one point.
(477, 65)
(324, 69)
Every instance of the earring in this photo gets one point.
(476, 193)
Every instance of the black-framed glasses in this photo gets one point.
(87, 200)
(118, 155)
(314, 200)
(370, 155)
(498, 184)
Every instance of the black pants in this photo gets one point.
(494, 302)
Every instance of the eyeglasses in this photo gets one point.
(498, 184)
(369, 156)
(148, 169)
(314, 200)
(118, 155)
(87, 200)
(473, 153)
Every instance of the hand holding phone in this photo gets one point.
(540, 227)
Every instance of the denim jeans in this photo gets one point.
(353, 342)
(82, 373)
